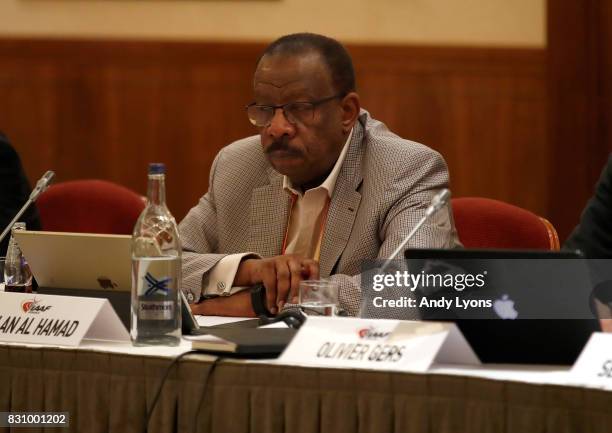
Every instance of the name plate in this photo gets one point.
(378, 344)
(594, 365)
(57, 320)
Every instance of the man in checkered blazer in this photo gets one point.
(322, 188)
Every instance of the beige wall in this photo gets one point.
(457, 22)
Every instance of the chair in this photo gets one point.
(487, 223)
(89, 206)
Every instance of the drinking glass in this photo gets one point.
(318, 297)
(2, 273)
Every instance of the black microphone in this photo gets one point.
(437, 202)
(41, 185)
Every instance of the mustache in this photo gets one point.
(282, 145)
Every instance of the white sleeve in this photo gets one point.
(220, 280)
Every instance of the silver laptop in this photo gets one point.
(78, 260)
(81, 264)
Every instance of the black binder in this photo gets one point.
(243, 342)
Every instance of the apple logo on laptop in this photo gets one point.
(504, 308)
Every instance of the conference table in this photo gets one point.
(108, 387)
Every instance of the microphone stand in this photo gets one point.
(437, 203)
(41, 185)
(14, 220)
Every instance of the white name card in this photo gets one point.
(57, 320)
(594, 365)
(377, 344)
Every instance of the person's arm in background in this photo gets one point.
(199, 240)
(593, 235)
(14, 191)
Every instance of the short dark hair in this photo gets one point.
(333, 53)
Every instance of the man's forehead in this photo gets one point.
(278, 83)
(290, 72)
(296, 86)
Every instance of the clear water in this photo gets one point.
(17, 274)
(156, 312)
(318, 308)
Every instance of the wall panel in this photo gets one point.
(579, 60)
(102, 108)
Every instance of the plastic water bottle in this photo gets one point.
(156, 269)
(17, 274)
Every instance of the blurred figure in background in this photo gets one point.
(14, 191)
(593, 235)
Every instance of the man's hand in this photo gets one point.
(238, 305)
(280, 275)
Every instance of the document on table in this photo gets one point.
(218, 320)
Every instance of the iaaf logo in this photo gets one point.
(33, 306)
(372, 334)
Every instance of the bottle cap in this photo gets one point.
(157, 168)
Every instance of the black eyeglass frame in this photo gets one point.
(314, 105)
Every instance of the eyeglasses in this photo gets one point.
(295, 112)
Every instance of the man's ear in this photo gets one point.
(350, 110)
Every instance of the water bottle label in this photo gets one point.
(156, 310)
(156, 287)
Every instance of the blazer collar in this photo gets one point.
(344, 202)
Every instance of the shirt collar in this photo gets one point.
(330, 182)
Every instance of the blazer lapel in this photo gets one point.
(344, 204)
(269, 214)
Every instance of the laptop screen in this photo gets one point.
(78, 260)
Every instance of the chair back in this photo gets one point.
(487, 223)
(89, 206)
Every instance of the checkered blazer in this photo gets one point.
(383, 189)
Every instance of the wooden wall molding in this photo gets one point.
(104, 108)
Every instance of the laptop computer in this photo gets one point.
(539, 302)
(81, 264)
(78, 260)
